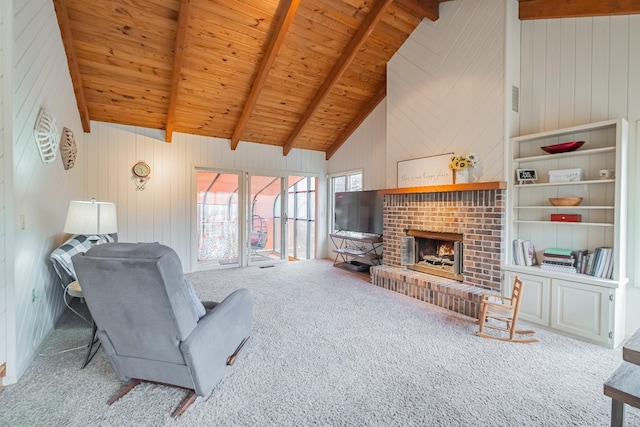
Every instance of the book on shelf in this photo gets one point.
(608, 270)
(518, 253)
(524, 253)
(602, 262)
(609, 274)
(598, 263)
(589, 266)
(556, 267)
(559, 259)
(581, 260)
(596, 260)
(559, 256)
(551, 262)
(558, 252)
(605, 259)
(529, 253)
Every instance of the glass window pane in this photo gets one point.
(217, 218)
(264, 200)
(312, 239)
(312, 206)
(301, 185)
(339, 183)
(355, 182)
(301, 202)
(301, 241)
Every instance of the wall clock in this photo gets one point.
(141, 171)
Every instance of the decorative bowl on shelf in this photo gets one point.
(563, 147)
(565, 201)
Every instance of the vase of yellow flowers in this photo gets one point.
(460, 165)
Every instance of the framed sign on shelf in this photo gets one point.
(425, 171)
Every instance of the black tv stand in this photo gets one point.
(356, 251)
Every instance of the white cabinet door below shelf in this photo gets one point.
(534, 306)
(581, 309)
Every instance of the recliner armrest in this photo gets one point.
(217, 335)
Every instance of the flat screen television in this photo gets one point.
(359, 211)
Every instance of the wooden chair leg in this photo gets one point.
(123, 390)
(617, 413)
(232, 359)
(482, 318)
(126, 388)
(191, 397)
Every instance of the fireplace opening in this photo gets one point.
(437, 253)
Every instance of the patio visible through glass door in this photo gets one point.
(265, 218)
(218, 219)
(301, 218)
(275, 222)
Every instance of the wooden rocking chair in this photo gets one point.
(505, 311)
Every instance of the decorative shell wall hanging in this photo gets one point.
(68, 149)
(47, 136)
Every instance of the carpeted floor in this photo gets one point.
(330, 349)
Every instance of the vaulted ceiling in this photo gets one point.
(289, 73)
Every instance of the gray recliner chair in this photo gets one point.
(151, 324)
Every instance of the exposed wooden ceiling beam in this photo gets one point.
(350, 52)
(72, 62)
(429, 9)
(357, 121)
(282, 27)
(176, 76)
(547, 9)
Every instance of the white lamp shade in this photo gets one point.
(91, 218)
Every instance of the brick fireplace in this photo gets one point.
(477, 214)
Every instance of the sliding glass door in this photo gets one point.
(250, 219)
(265, 219)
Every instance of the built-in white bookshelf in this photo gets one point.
(577, 304)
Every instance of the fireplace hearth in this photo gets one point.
(437, 253)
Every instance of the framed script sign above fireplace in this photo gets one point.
(433, 170)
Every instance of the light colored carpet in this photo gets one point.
(330, 349)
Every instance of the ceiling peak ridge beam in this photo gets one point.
(62, 14)
(367, 27)
(281, 30)
(357, 121)
(429, 9)
(548, 9)
(178, 59)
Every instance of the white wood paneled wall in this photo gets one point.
(5, 162)
(577, 71)
(446, 89)
(365, 149)
(163, 211)
(40, 192)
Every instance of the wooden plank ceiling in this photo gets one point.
(289, 73)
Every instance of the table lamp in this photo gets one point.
(91, 218)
